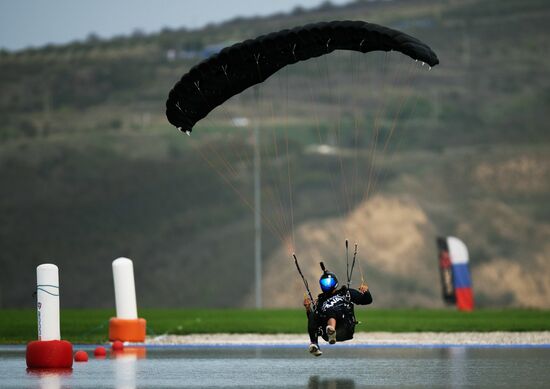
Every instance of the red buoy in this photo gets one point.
(81, 356)
(100, 351)
(49, 354)
(118, 345)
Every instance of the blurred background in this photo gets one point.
(91, 170)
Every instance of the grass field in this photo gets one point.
(91, 326)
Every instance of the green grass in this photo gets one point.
(91, 326)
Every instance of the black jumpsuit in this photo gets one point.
(338, 305)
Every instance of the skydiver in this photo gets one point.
(332, 316)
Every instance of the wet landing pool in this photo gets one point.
(288, 367)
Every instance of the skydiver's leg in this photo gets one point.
(312, 326)
(331, 330)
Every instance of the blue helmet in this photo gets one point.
(328, 281)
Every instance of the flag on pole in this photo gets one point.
(455, 273)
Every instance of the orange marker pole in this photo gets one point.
(126, 326)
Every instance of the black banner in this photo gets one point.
(446, 271)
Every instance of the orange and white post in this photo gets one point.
(126, 326)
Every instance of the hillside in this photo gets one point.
(91, 169)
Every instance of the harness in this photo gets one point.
(344, 313)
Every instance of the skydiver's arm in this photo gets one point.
(359, 298)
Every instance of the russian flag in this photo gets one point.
(462, 282)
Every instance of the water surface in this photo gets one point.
(289, 367)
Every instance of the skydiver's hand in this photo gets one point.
(363, 288)
(307, 303)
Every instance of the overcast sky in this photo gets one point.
(26, 23)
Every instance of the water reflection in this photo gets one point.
(50, 378)
(458, 357)
(330, 383)
(131, 352)
(125, 366)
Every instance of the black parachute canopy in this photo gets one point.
(242, 65)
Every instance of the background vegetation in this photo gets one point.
(91, 170)
(91, 326)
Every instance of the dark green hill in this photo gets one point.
(91, 170)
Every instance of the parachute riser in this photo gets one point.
(348, 275)
(305, 282)
(352, 262)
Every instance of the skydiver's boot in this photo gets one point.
(331, 333)
(315, 350)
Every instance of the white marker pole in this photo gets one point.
(47, 296)
(125, 289)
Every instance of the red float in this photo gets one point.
(49, 354)
(118, 345)
(100, 351)
(81, 356)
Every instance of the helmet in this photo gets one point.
(328, 281)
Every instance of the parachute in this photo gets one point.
(455, 274)
(242, 65)
(235, 155)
